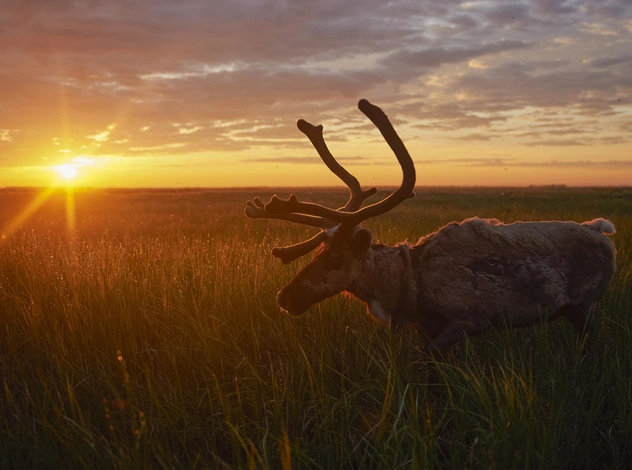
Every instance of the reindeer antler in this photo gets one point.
(255, 210)
(405, 191)
(287, 254)
(357, 196)
(351, 213)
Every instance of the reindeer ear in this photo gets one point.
(362, 240)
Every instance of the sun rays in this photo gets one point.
(68, 175)
(40, 199)
(29, 210)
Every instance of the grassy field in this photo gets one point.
(139, 329)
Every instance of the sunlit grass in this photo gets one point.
(151, 339)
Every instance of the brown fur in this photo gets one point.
(481, 272)
(467, 276)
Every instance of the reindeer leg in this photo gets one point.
(451, 334)
(582, 318)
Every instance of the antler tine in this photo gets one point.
(356, 195)
(287, 254)
(405, 191)
(255, 210)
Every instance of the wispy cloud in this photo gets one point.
(311, 160)
(514, 163)
(5, 135)
(102, 136)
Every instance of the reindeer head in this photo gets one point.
(343, 245)
(335, 267)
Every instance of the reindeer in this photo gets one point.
(453, 283)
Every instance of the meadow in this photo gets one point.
(139, 329)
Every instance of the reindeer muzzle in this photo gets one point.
(292, 303)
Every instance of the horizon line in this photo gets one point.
(316, 187)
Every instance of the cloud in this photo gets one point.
(508, 13)
(598, 29)
(5, 135)
(554, 7)
(312, 160)
(189, 130)
(604, 62)
(237, 75)
(515, 85)
(437, 56)
(507, 163)
(102, 136)
(612, 164)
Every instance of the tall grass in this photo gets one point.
(147, 336)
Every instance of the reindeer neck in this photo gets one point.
(386, 284)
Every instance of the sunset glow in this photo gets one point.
(75, 171)
(67, 171)
(208, 93)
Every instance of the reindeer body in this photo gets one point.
(453, 283)
(468, 276)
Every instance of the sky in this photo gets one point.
(206, 93)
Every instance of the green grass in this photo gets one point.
(149, 337)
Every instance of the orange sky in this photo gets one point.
(170, 94)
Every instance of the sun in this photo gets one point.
(74, 170)
(67, 171)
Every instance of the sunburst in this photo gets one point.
(68, 171)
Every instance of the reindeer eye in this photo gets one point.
(334, 260)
